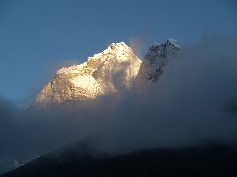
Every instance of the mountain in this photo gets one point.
(104, 73)
(84, 95)
(110, 71)
(79, 159)
(154, 62)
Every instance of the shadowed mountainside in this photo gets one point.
(77, 159)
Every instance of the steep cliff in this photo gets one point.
(155, 60)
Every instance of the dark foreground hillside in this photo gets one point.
(210, 161)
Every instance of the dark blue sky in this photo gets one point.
(39, 37)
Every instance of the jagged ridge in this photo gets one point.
(107, 72)
(154, 62)
(104, 73)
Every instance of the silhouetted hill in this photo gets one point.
(76, 160)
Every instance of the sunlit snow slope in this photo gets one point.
(114, 69)
(104, 73)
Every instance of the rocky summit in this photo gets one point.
(107, 72)
(154, 62)
(93, 78)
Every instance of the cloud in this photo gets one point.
(185, 108)
(47, 73)
(138, 44)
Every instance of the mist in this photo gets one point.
(46, 73)
(185, 108)
(187, 105)
(138, 44)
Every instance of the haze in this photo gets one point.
(185, 108)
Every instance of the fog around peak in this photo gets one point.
(184, 108)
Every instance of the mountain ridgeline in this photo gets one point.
(107, 72)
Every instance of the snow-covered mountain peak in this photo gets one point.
(105, 72)
(120, 50)
(155, 60)
(155, 44)
(172, 45)
(118, 46)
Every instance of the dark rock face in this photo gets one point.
(155, 60)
